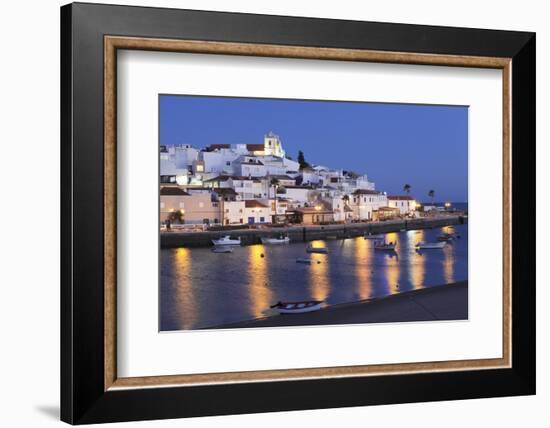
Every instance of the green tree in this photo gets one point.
(302, 160)
(407, 188)
(176, 217)
(431, 194)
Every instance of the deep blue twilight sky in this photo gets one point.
(424, 146)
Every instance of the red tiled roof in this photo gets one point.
(255, 147)
(254, 204)
(387, 209)
(400, 198)
(172, 191)
(367, 192)
(313, 210)
(219, 146)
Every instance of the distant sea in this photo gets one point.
(461, 206)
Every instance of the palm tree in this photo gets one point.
(176, 216)
(407, 188)
(431, 194)
(274, 182)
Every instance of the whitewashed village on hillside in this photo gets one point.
(259, 184)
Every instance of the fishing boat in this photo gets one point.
(430, 245)
(226, 240)
(385, 246)
(371, 236)
(318, 250)
(306, 261)
(222, 249)
(297, 307)
(275, 241)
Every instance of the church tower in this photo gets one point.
(273, 145)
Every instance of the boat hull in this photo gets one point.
(226, 242)
(299, 307)
(275, 241)
(431, 246)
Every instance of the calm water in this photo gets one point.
(202, 289)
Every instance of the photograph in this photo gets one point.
(291, 212)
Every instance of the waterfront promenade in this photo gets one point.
(438, 303)
(302, 233)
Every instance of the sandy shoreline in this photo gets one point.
(443, 302)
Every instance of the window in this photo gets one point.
(262, 219)
(228, 163)
(182, 204)
(201, 204)
(162, 205)
(241, 220)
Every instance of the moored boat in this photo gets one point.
(275, 241)
(222, 249)
(318, 250)
(385, 246)
(430, 245)
(304, 261)
(297, 307)
(226, 240)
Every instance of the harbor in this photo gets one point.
(202, 289)
(303, 233)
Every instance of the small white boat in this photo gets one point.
(297, 307)
(377, 237)
(276, 241)
(222, 249)
(226, 240)
(385, 246)
(318, 250)
(430, 245)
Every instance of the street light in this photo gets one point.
(447, 205)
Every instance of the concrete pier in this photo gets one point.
(300, 233)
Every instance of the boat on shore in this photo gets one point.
(226, 240)
(297, 307)
(275, 241)
(222, 249)
(385, 246)
(430, 245)
(317, 250)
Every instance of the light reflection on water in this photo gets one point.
(203, 289)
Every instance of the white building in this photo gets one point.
(405, 204)
(233, 212)
(273, 145)
(256, 212)
(364, 202)
(249, 166)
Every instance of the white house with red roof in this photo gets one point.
(404, 203)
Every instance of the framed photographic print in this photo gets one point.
(266, 213)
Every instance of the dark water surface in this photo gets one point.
(201, 289)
